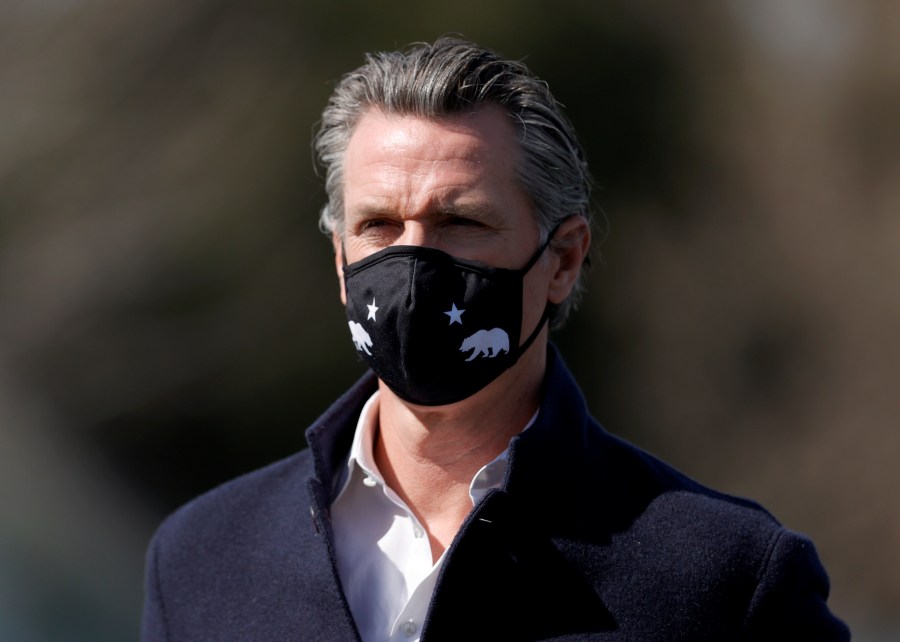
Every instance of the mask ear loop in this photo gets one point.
(548, 310)
(540, 251)
(537, 255)
(550, 307)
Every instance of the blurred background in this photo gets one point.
(169, 314)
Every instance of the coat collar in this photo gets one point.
(563, 410)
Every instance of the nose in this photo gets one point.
(417, 233)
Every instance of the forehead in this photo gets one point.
(484, 135)
(454, 179)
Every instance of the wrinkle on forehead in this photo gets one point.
(449, 165)
(502, 137)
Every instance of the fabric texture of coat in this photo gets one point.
(590, 538)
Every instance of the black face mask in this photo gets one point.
(436, 328)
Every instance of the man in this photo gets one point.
(460, 490)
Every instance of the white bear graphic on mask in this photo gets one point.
(486, 343)
(361, 338)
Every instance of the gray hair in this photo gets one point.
(453, 75)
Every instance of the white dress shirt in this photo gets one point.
(383, 553)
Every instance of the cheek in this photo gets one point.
(339, 268)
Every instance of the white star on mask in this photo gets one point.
(455, 315)
(372, 309)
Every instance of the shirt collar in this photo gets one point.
(362, 458)
(361, 455)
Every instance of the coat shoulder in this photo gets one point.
(242, 508)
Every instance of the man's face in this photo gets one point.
(447, 184)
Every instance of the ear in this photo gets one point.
(339, 263)
(569, 248)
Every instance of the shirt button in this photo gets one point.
(370, 481)
(418, 532)
(409, 628)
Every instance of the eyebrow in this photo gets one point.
(479, 211)
(472, 209)
(475, 212)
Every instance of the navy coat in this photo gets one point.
(590, 538)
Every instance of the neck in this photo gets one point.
(429, 455)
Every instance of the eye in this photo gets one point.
(372, 224)
(464, 222)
